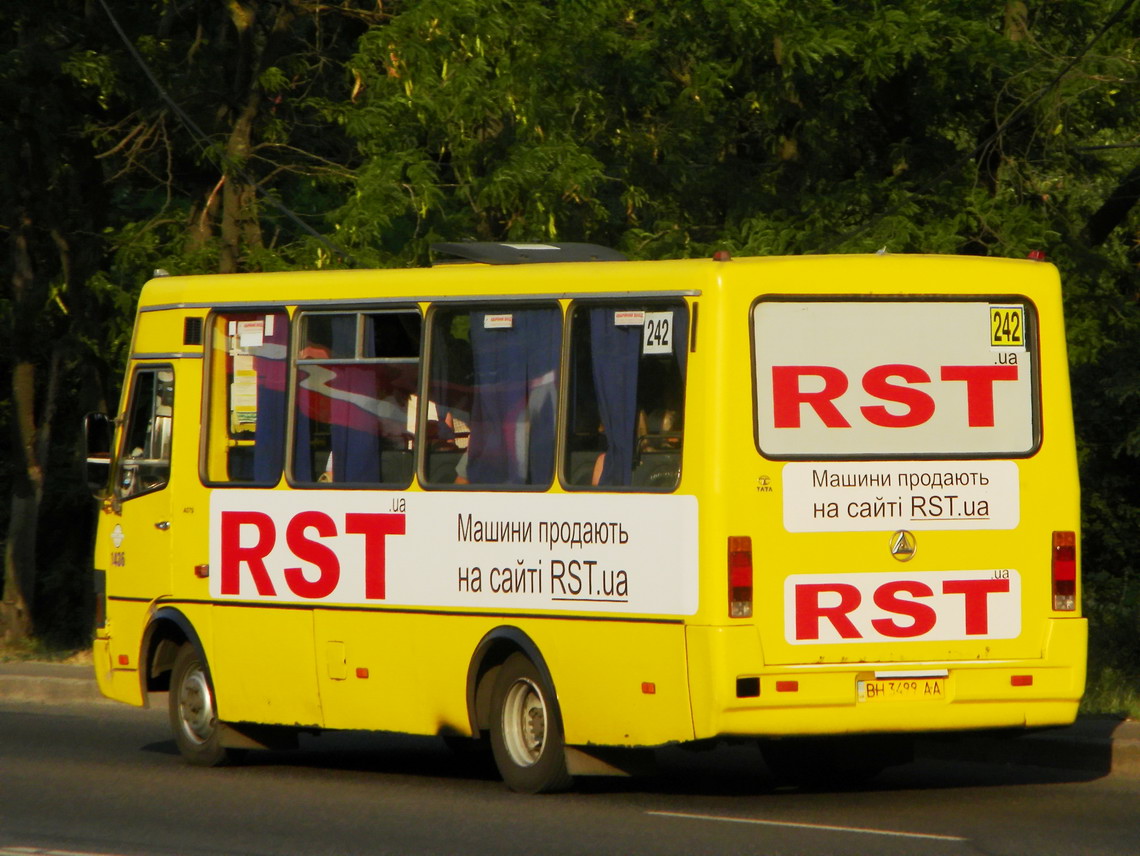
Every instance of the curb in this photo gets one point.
(1096, 745)
(49, 683)
(1099, 745)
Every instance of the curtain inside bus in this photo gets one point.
(515, 360)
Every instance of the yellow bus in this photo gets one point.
(566, 504)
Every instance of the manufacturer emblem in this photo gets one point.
(903, 545)
(117, 537)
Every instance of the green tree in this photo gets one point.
(229, 130)
(51, 213)
(209, 133)
(772, 127)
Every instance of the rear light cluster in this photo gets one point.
(739, 576)
(1065, 571)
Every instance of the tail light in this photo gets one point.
(1065, 571)
(740, 576)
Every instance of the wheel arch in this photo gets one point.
(491, 652)
(166, 632)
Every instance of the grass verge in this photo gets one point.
(1112, 691)
(34, 649)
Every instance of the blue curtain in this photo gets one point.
(615, 352)
(515, 395)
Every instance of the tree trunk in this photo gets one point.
(240, 230)
(27, 471)
(1115, 209)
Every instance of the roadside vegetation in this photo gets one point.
(200, 136)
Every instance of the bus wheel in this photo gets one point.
(193, 713)
(526, 738)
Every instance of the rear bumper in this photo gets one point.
(824, 699)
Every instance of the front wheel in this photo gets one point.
(193, 711)
(526, 733)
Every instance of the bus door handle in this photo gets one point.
(163, 525)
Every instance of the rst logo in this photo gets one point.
(819, 390)
(307, 555)
(884, 607)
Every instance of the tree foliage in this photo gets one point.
(246, 135)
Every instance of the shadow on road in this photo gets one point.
(720, 769)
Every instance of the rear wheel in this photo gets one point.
(526, 734)
(193, 711)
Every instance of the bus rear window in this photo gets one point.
(895, 378)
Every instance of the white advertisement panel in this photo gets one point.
(592, 553)
(857, 496)
(893, 379)
(894, 606)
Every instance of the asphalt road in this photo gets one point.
(104, 779)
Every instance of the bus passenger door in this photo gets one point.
(139, 538)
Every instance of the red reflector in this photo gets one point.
(201, 571)
(739, 576)
(787, 686)
(124, 660)
(361, 672)
(1021, 680)
(649, 688)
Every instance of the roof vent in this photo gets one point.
(490, 253)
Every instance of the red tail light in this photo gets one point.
(1065, 571)
(740, 576)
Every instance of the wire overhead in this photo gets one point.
(203, 140)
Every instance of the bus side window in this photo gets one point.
(494, 384)
(627, 395)
(357, 397)
(245, 436)
(144, 462)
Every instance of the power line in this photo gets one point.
(203, 140)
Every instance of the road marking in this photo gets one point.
(35, 851)
(817, 826)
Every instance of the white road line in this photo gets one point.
(817, 826)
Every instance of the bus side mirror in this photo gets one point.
(99, 434)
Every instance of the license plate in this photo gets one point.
(902, 689)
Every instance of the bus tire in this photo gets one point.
(194, 712)
(526, 733)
